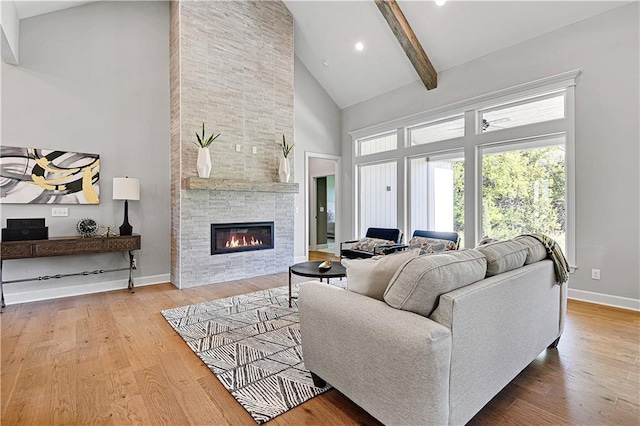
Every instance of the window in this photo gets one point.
(437, 193)
(523, 190)
(428, 173)
(378, 196)
(382, 143)
(543, 108)
(437, 131)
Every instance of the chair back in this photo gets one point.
(390, 234)
(451, 236)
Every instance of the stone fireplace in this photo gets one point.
(231, 67)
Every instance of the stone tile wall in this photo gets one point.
(231, 67)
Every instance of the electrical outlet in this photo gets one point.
(60, 211)
(595, 274)
(254, 150)
(135, 263)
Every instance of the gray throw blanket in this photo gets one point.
(554, 252)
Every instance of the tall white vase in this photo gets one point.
(284, 171)
(204, 163)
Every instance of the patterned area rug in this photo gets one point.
(251, 343)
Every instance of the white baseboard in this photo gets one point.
(299, 259)
(605, 299)
(14, 298)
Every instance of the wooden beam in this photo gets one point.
(409, 42)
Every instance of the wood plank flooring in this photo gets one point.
(111, 358)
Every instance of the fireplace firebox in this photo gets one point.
(236, 237)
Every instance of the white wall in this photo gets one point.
(94, 78)
(606, 49)
(10, 28)
(317, 130)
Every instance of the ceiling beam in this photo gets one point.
(409, 42)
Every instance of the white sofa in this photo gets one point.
(405, 368)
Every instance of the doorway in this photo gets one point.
(322, 203)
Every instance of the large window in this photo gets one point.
(378, 196)
(377, 144)
(498, 165)
(436, 199)
(522, 112)
(440, 130)
(523, 189)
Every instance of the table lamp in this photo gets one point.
(126, 189)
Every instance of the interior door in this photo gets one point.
(321, 211)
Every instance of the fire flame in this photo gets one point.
(243, 242)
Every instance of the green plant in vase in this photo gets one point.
(284, 171)
(204, 158)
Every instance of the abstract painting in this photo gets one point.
(44, 176)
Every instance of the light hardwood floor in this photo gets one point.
(111, 358)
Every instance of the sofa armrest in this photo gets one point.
(499, 325)
(392, 363)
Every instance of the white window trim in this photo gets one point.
(471, 143)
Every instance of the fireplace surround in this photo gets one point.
(243, 236)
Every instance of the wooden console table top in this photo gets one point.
(67, 246)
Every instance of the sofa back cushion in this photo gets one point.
(535, 249)
(418, 284)
(371, 277)
(503, 256)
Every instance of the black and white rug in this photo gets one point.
(251, 343)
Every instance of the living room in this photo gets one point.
(96, 78)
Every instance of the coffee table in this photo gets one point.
(310, 269)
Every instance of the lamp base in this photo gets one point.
(126, 228)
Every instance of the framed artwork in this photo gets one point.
(44, 176)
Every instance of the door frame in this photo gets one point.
(307, 198)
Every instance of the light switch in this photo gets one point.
(321, 208)
(238, 147)
(60, 211)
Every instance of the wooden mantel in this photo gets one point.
(238, 185)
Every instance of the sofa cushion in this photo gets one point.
(503, 256)
(418, 284)
(369, 244)
(431, 245)
(371, 277)
(535, 249)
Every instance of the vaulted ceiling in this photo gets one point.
(326, 33)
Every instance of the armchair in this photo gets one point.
(349, 249)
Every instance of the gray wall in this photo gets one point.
(317, 130)
(606, 49)
(94, 78)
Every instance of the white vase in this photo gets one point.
(204, 163)
(284, 171)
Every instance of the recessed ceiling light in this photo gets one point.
(359, 46)
(440, 2)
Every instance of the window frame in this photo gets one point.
(471, 144)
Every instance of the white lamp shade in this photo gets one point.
(126, 188)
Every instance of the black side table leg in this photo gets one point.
(132, 266)
(1, 289)
(289, 286)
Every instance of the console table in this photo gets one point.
(68, 246)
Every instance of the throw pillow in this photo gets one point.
(535, 249)
(503, 256)
(369, 244)
(371, 277)
(418, 284)
(431, 245)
